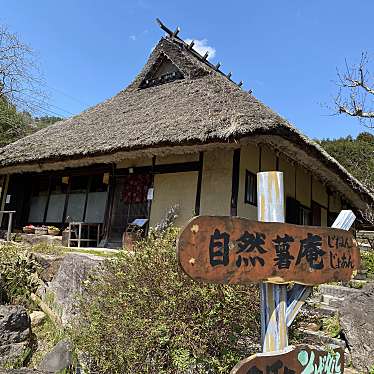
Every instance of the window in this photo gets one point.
(96, 200)
(316, 214)
(57, 199)
(297, 213)
(39, 199)
(250, 196)
(305, 215)
(77, 198)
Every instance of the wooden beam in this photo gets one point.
(163, 27)
(4, 193)
(235, 182)
(199, 182)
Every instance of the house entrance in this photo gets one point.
(129, 203)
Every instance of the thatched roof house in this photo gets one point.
(179, 104)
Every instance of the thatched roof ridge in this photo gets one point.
(204, 107)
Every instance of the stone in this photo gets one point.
(59, 358)
(49, 265)
(311, 326)
(337, 291)
(15, 333)
(357, 322)
(14, 324)
(33, 239)
(21, 371)
(68, 283)
(37, 317)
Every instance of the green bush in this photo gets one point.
(331, 325)
(18, 277)
(367, 258)
(143, 315)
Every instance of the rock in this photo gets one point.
(357, 322)
(33, 239)
(49, 265)
(21, 371)
(311, 326)
(59, 358)
(15, 332)
(37, 317)
(61, 294)
(14, 324)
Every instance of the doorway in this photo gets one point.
(129, 203)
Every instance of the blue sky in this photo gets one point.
(286, 51)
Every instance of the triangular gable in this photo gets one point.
(162, 71)
(169, 56)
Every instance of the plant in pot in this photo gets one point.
(29, 229)
(53, 230)
(41, 230)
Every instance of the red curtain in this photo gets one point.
(135, 189)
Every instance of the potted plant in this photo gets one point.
(53, 230)
(29, 229)
(41, 230)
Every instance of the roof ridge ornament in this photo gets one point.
(189, 47)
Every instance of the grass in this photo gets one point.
(367, 258)
(45, 337)
(56, 250)
(331, 326)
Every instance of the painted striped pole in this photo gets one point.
(270, 198)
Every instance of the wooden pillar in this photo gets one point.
(3, 196)
(270, 197)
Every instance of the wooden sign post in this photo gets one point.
(293, 360)
(273, 297)
(233, 250)
(240, 251)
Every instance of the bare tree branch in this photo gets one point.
(356, 92)
(21, 82)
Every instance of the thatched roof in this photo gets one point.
(203, 108)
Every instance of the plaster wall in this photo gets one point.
(335, 203)
(303, 187)
(174, 189)
(319, 193)
(288, 177)
(268, 159)
(216, 182)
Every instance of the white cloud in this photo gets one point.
(202, 46)
(132, 37)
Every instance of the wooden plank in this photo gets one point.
(240, 251)
(294, 360)
(273, 297)
(344, 220)
(295, 300)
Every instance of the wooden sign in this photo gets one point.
(303, 359)
(239, 251)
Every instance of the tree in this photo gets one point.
(357, 156)
(12, 123)
(356, 92)
(21, 90)
(21, 83)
